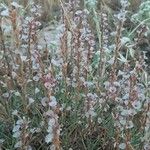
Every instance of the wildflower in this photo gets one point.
(36, 78)
(49, 137)
(31, 100)
(15, 112)
(16, 5)
(129, 125)
(53, 101)
(49, 81)
(137, 105)
(6, 95)
(37, 90)
(122, 146)
(44, 101)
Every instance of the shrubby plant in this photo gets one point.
(89, 91)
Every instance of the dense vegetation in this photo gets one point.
(74, 75)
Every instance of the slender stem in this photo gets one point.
(138, 26)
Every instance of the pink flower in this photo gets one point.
(49, 81)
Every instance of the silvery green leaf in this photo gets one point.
(132, 52)
(122, 58)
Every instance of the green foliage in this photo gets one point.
(143, 14)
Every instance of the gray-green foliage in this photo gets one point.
(143, 13)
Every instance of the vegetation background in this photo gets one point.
(74, 75)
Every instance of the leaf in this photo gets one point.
(122, 58)
(132, 52)
(96, 59)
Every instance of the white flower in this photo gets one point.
(31, 100)
(123, 121)
(6, 95)
(24, 58)
(107, 84)
(124, 112)
(146, 146)
(14, 75)
(90, 113)
(5, 12)
(120, 73)
(51, 122)
(112, 89)
(99, 120)
(16, 5)
(50, 130)
(20, 122)
(36, 78)
(49, 138)
(24, 37)
(126, 96)
(79, 12)
(37, 90)
(36, 66)
(130, 125)
(111, 61)
(15, 112)
(88, 84)
(55, 62)
(131, 112)
(137, 105)
(53, 101)
(16, 128)
(68, 108)
(125, 40)
(122, 146)
(44, 100)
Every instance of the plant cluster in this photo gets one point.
(90, 91)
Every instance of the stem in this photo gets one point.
(138, 26)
